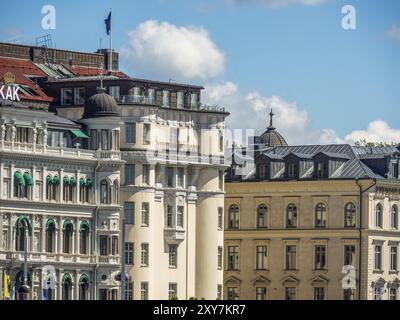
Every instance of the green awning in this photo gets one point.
(29, 179)
(49, 179)
(24, 126)
(68, 223)
(72, 181)
(89, 183)
(82, 182)
(19, 178)
(66, 279)
(56, 180)
(66, 180)
(84, 225)
(84, 279)
(50, 224)
(79, 134)
(18, 224)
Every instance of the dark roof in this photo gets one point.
(273, 138)
(100, 105)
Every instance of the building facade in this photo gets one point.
(312, 222)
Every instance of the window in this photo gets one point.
(146, 133)
(169, 177)
(291, 216)
(221, 142)
(261, 293)
(262, 212)
(129, 253)
(129, 290)
(165, 98)
(151, 93)
(290, 293)
(349, 255)
(393, 258)
(261, 257)
(233, 293)
(378, 216)
(292, 170)
(290, 257)
(66, 287)
(172, 291)
(180, 177)
(378, 257)
(115, 192)
(129, 212)
(221, 180)
(179, 217)
(350, 215)
(219, 292)
(320, 171)
(394, 217)
(104, 245)
(104, 192)
(348, 294)
(233, 217)
(193, 101)
(179, 99)
(68, 231)
(378, 293)
(79, 96)
(319, 293)
(320, 257)
(22, 135)
(392, 293)
(146, 174)
(84, 238)
(50, 236)
(102, 294)
(145, 255)
(220, 218)
(66, 96)
(130, 132)
(144, 291)
(114, 245)
(170, 212)
(395, 170)
(145, 214)
(105, 143)
(219, 258)
(320, 215)
(114, 92)
(172, 255)
(233, 258)
(129, 174)
(262, 171)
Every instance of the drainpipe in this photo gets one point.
(360, 230)
(95, 228)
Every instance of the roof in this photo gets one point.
(82, 71)
(100, 105)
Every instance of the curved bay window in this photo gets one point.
(291, 216)
(50, 235)
(84, 287)
(378, 216)
(23, 229)
(68, 233)
(262, 218)
(233, 217)
(104, 192)
(350, 215)
(394, 217)
(66, 287)
(84, 237)
(320, 215)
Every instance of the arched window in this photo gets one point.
(66, 193)
(49, 187)
(378, 216)
(115, 191)
(394, 219)
(82, 187)
(262, 217)
(68, 233)
(350, 215)
(291, 216)
(23, 229)
(84, 237)
(50, 235)
(66, 287)
(320, 215)
(83, 287)
(55, 187)
(104, 192)
(233, 217)
(29, 183)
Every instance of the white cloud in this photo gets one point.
(166, 51)
(276, 3)
(377, 131)
(394, 32)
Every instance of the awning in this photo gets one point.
(72, 181)
(68, 223)
(29, 179)
(56, 180)
(19, 225)
(19, 178)
(84, 225)
(66, 180)
(50, 224)
(49, 179)
(66, 279)
(79, 134)
(84, 279)
(89, 183)
(82, 182)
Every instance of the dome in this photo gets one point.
(271, 137)
(100, 105)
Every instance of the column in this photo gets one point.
(60, 232)
(32, 236)
(59, 285)
(76, 286)
(43, 234)
(76, 248)
(61, 185)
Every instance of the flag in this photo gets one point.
(108, 24)
(7, 287)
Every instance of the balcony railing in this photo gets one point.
(135, 99)
(174, 235)
(18, 257)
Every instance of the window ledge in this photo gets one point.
(393, 271)
(378, 271)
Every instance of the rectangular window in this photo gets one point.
(173, 255)
(378, 293)
(261, 293)
(66, 96)
(261, 257)
(146, 174)
(130, 132)
(319, 293)
(290, 293)
(114, 245)
(144, 291)
(129, 174)
(219, 292)
(145, 255)
(179, 217)
(393, 258)
(79, 96)
(165, 98)
(233, 293)
(292, 170)
(173, 138)
(129, 290)
(180, 173)
(129, 212)
(348, 294)
(114, 92)
(221, 142)
(233, 258)
(220, 218)
(170, 213)
(104, 245)
(220, 252)
(151, 93)
(179, 99)
(193, 101)
(146, 133)
(349, 255)
(378, 257)
(172, 291)
(393, 294)
(291, 257)
(145, 214)
(102, 294)
(221, 180)
(129, 253)
(169, 177)
(320, 257)
(262, 171)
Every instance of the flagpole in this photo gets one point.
(110, 55)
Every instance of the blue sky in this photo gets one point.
(343, 80)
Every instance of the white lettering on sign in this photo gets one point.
(9, 93)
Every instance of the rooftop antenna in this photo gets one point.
(45, 42)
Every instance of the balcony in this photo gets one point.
(17, 257)
(108, 259)
(211, 108)
(108, 154)
(174, 235)
(134, 99)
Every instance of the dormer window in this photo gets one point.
(262, 171)
(292, 170)
(320, 169)
(395, 170)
